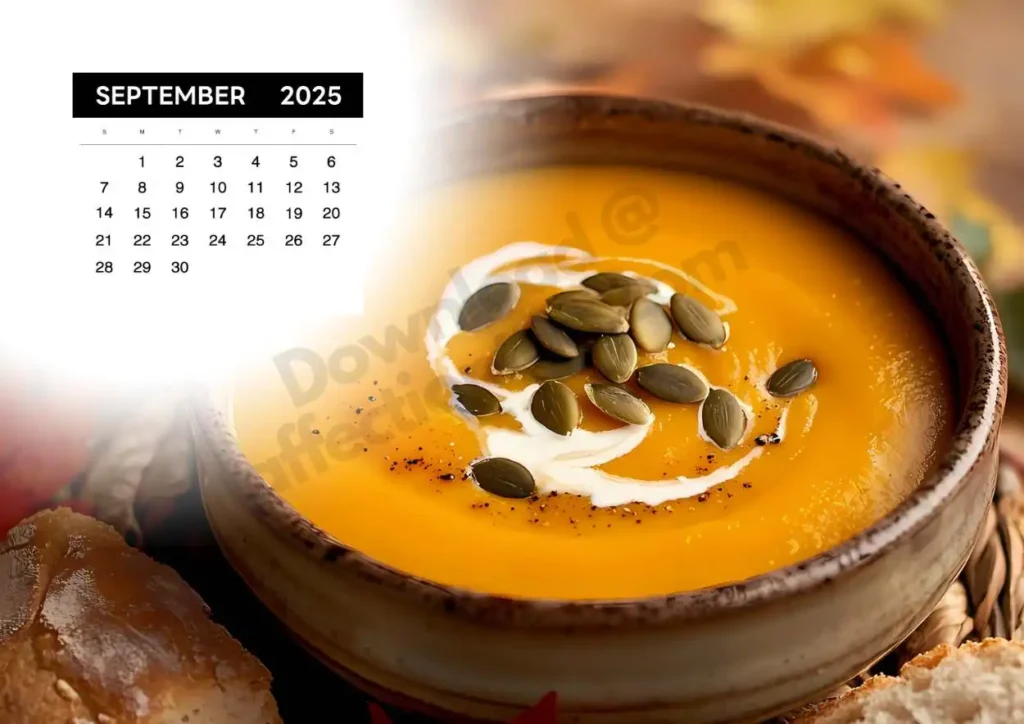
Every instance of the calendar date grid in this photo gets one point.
(154, 206)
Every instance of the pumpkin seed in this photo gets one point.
(488, 304)
(672, 383)
(697, 322)
(555, 407)
(477, 400)
(552, 338)
(650, 325)
(503, 477)
(618, 402)
(625, 295)
(615, 357)
(603, 281)
(589, 315)
(515, 354)
(547, 369)
(723, 418)
(572, 294)
(792, 379)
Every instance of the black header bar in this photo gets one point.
(218, 95)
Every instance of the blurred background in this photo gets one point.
(929, 91)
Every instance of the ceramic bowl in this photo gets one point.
(742, 651)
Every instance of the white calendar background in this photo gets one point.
(226, 211)
(234, 299)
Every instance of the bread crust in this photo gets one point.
(92, 630)
(849, 699)
(852, 701)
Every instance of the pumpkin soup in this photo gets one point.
(605, 383)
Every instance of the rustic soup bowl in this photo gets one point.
(742, 651)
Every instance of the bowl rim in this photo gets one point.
(975, 433)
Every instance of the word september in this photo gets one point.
(163, 95)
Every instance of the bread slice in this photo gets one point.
(94, 632)
(978, 683)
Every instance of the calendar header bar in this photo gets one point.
(217, 95)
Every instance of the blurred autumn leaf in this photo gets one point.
(975, 236)
(944, 179)
(793, 25)
(863, 81)
(1011, 312)
(851, 65)
(544, 711)
(45, 441)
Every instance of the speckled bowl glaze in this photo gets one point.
(739, 652)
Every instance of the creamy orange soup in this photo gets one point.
(360, 432)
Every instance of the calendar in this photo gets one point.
(190, 187)
(219, 188)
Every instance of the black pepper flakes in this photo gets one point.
(748, 485)
(702, 497)
(315, 431)
(446, 476)
(359, 411)
(371, 398)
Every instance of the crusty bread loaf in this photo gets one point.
(94, 632)
(978, 683)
